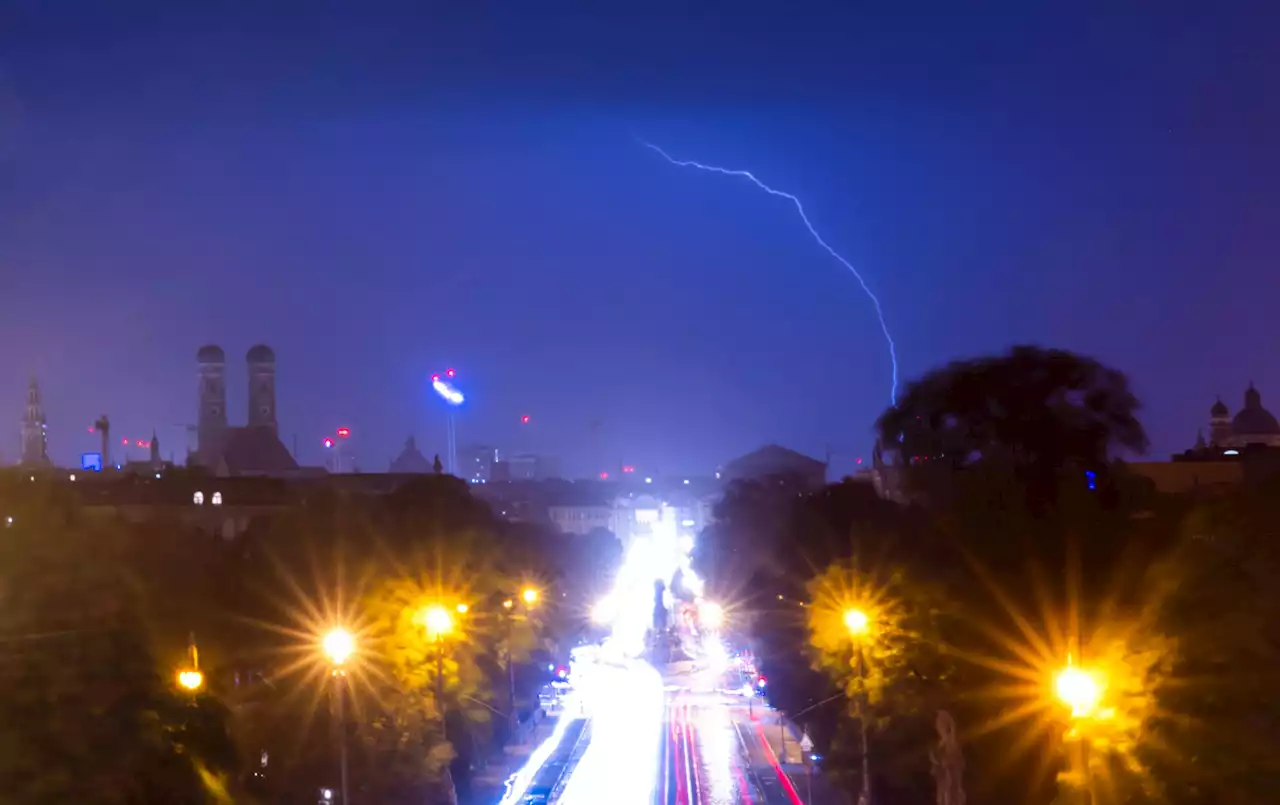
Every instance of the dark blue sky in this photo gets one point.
(380, 190)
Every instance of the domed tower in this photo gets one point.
(211, 422)
(1219, 424)
(262, 387)
(1254, 424)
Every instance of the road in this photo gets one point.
(715, 752)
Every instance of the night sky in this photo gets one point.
(383, 190)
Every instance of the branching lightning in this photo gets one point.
(884, 327)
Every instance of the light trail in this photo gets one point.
(518, 784)
(884, 327)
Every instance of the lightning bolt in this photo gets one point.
(875, 301)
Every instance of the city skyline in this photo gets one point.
(469, 204)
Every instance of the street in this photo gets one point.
(715, 752)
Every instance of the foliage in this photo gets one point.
(1039, 412)
(88, 714)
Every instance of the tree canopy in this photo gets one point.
(1039, 412)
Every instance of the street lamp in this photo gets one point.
(338, 645)
(856, 621)
(191, 680)
(529, 596)
(439, 625)
(1081, 690)
(859, 625)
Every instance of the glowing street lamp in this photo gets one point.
(338, 645)
(529, 595)
(859, 626)
(438, 621)
(191, 680)
(857, 622)
(1079, 689)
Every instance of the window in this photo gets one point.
(217, 498)
(198, 498)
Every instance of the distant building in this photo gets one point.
(255, 449)
(525, 467)
(774, 460)
(410, 460)
(475, 463)
(1251, 425)
(35, 431)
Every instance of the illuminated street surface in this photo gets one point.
(649, 740)
(715, 753)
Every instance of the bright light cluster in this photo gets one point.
(447, 391)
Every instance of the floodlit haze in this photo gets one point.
(383, 190)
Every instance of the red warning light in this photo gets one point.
(524, 419)
(435, 378)
(450, 372)
(138, 442)
(604, 476)
(124, 442)
(628, 468)
(859, 461)
(91, 428)
(343, 433)
(328, 442)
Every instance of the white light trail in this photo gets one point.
(875, 301)
(518, 783)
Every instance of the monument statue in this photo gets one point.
(948, 762)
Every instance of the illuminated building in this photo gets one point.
(475, 463)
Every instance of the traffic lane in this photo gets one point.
(709, 759)
(619, 765)
(773, 783)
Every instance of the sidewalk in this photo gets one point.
(489, 784)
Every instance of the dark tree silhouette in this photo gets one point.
(1039, 412)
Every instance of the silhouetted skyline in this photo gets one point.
(381, 192)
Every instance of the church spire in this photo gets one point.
(35, 437)
(156, 463)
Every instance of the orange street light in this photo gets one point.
(192, 680)
(1079, 689)
(530, 596)
(462, 609)
(438, 621)
(856, 621)
(338, 645)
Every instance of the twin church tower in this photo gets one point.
(213, 436)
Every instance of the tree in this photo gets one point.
(89, 714)
(893, 670)
(1038, 412)
(1216, 719)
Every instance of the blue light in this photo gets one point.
(1092, 478)
(91, 462)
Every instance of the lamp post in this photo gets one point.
(529, 597)
(1081, 690)
(338, 646)
(439, 625)
(190, 679)
(859, 626)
